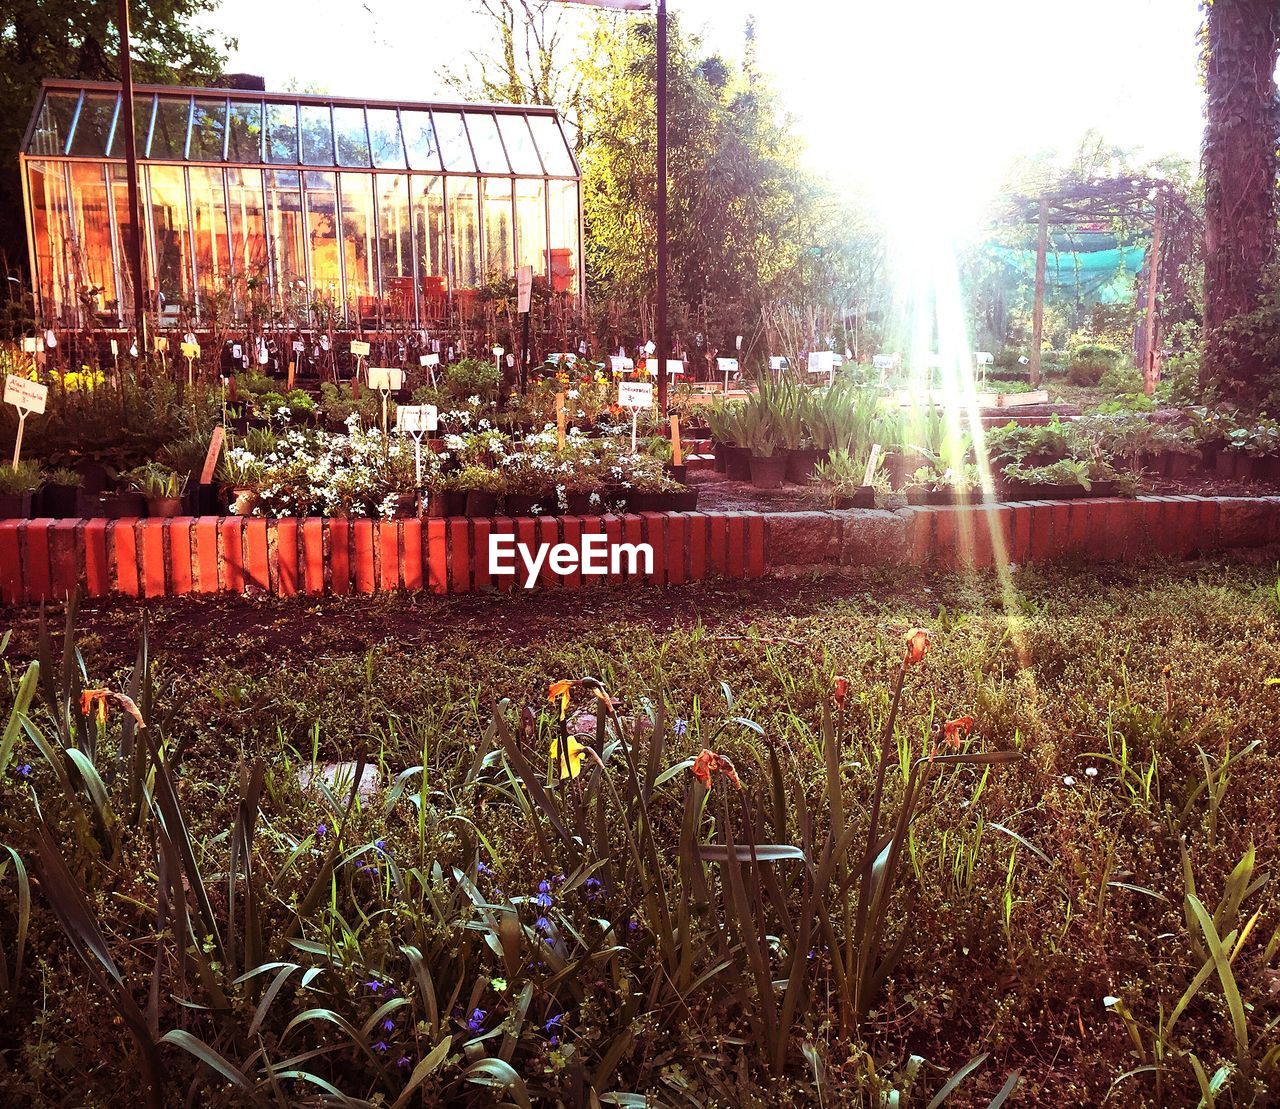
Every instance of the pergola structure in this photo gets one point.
(384, 212)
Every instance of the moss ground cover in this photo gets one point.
(1066, 897)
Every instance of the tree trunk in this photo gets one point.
(1240, 166)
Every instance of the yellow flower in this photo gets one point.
(559, 691)
(570, 764)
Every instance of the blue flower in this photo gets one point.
(25, 770)
(550, 1025)
(381, 1045)
(680, 727)
(375, 985)
(476, 1021)
(542, 924)
(593, 887)
(320, 830)
(483, 868)
(403, 1061)
(543, 900)
(388, 1025)
(381, 845)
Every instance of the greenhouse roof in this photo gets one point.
(82, 119)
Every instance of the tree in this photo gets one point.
(1240, 167)
(74, 39)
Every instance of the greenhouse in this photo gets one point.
(301, 208)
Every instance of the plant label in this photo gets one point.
(675, 367)
(191, 350)
(984, 358)
(30, 345)
(299, 346)
(359, 349)
(776, 362)
(727, 365)
(161, 343)
(386, 378)
(582, 347)
(50, 339)
(115, 349)
(882, 362)
(635, 394)
(133, 350)
(211, 456)
(621, 365)
(25, 394)
(872, 463)
(431, 359)
(649, 348)
(677, 455)
(738, 344)
(511, 360)
(822, 361)
(237, 351)
(524, 289)
(416, 419)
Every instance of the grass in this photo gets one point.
(1088, 922)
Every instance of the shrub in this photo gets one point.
(473, 377)
(1090, 361)
(26, 478)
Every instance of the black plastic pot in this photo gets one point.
(59, 501)
(651, 502)
(1108, 488)
(455, 503)
(480, 503)
(737, 463)
(953, 496)
(525, 504)
(679, 473)
(768, 473)
(1224, 464)
(201, 500)
(684, 501)
(864, 497)
(15, 506)
(721, 453)
(117, 506)
(801, 463)
(579, 504)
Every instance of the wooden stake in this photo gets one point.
(675, 441)
(560, 414)
(1151, 361)
(293, 365)
(23, 413)
(1037, 318)
(872, 463)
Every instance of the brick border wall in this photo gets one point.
(46, 559)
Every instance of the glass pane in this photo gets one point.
(244, 143)
(454, 146)
(531, 226)
(124, 229)
(317, 135)
(248, 246)
(143, 106)
(433, 258)
(49, 236)
(213, 242)
(282, 133)
(486, 144)
(519, 143)
(94, 128)
(353, 142)
(53, 127)
(498, 245)
(169, 136)
(395, 244)
(208, 130)
(384, 133)
(464, 232)
(359, 247)
(322, 234)
(171, 239)
(563, 202)
(285, 227)
(420, 138)
(555, 155)
(91, 229)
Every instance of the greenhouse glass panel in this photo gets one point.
(359, 243)
(124, 230)
(244, 139)
(248, 248)
(91, 230)
(395, 244)
(431, 244)
(353, 140)
(169, 136)
(490, 157)
(551, 145)
(282, 133)
(210, 230)
(562, 200)
(50, 231)
(208, 130)
(285, 229)
(93, 129)
(53, 127)
(531, 225)
(519, 143)
(322, 233)
(499, 248)
(143, 109)
(171, 238)
(420, 138)
(384, 134)
(455, 147)
(317, 135)
(464, 231)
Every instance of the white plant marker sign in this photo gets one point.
(26, 396)
(415, 420)
(635, 395)
(387, 380)
(727, 366)
(823, 362)
(872, 463)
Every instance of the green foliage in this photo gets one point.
(27, 477)
(154, 479)
(473, 377)
(1090, 361)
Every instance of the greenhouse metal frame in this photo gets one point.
(362, 212)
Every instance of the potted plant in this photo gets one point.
(60, 496)
(17, 486)
(482, 487)
(1061, 480)
(841, 477)
(160, 486)
(768, 465)
(240, 472)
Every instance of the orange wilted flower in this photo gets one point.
(917, 647)
(559, 691)
(99, 699)
(841, 691)
(708, 762)
(955, 732)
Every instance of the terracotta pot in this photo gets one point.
(164, 506)
(767, 473)
(241, 500)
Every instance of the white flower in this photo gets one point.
(1091, 772)
(1068, 781)
(1110, 1001)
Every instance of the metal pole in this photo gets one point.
(133, 243)
(661, 309)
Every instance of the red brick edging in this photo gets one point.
(46, 559)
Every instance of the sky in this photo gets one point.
(883, 91)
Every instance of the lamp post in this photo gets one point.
(133, 243)
(659, 7)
